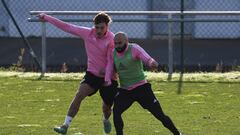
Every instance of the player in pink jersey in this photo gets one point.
(99, 45)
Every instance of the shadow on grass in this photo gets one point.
(180, 83)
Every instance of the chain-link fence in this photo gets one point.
(153, 36)
(21, 8)
(200, 29)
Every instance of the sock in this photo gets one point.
(68, 121)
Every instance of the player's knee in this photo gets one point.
(106, 108)
(83, 91)
(115, 109)
(117, 119)
(80, 95)
(163, 118)
(116, 113)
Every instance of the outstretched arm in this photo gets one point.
(139, 53)
(67, 27)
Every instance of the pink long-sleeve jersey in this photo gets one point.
(98, 49)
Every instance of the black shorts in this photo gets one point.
(142, 94)
(106, 92)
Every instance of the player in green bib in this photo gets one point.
(128, 60)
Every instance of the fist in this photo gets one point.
(154, 64)
(41, 16)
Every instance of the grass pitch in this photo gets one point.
(208, 104)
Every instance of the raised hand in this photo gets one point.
(154, 65)
(41, 16)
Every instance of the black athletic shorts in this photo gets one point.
(106, 92)
(142, 94)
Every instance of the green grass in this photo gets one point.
(209, 104)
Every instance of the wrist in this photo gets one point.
(150, 62)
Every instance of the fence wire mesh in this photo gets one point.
(20, 10)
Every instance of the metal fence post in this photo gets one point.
(182, 37)
(170, 48)
(44, 48)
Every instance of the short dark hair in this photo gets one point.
(102, 18)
